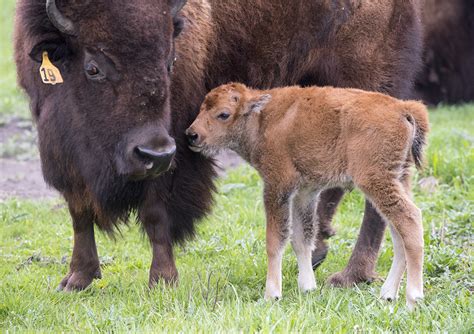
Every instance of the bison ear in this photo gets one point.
(176, 6)
(57, 50)
(257, 104)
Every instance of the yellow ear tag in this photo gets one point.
(49, 73)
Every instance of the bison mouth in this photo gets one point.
(145, 153)
(154, 163)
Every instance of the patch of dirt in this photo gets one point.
(23, 179)
(20, 167)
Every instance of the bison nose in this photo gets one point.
(156, 162)
(192, 137)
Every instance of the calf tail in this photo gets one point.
(417, 115)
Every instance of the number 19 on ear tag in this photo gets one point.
(49, 73)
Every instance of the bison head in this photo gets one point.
(107, 123)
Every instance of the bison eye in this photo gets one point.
(93, 72)
(223, 116)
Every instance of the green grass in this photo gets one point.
(12, 101)
(222, 272)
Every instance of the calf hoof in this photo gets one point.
(347, 279)
(414, 298)
(272, 296)
(307, 287)
(272, 292)
(78, 280)
(389, 293)
(411, 303)
(319, 253)
(169, 278)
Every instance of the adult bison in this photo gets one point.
(108, 134)
(449, 52)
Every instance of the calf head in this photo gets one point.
(224, 118)
(107, 123)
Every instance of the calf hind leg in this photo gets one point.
(405, 218)
(391, 285)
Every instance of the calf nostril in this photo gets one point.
(192, 137)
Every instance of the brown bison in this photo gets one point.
(305, 140)
(448, 71)
(109, 132)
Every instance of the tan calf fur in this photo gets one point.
(305, 140)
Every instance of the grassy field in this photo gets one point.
(222, 272)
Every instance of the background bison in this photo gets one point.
(109, 132)
(448, 70)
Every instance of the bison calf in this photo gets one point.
(305, 140)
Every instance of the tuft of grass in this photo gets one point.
(222, 271)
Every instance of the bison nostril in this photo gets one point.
(150, 156)
(192, 137)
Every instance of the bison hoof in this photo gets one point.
(345, 279)
(78, 280)
(169, 278)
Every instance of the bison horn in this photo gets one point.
(59, 20)
(177, 6)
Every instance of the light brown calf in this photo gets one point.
(305, 140)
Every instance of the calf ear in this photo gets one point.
(176, 6)
(257, 104)
(178, 24)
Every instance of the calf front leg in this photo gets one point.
(304, 234)
(84, 266)
(278, 230)
(157, 226)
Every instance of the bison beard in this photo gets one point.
(340, 43)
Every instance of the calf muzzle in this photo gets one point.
(193, 140)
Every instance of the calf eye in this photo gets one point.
(223, 116)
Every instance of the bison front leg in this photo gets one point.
(361, 266)
(84, 266)
(328, 201)
(156, 222)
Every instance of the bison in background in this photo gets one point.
(448, 72)
(109, 133)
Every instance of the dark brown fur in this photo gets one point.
(449, 52)
(262, 43)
